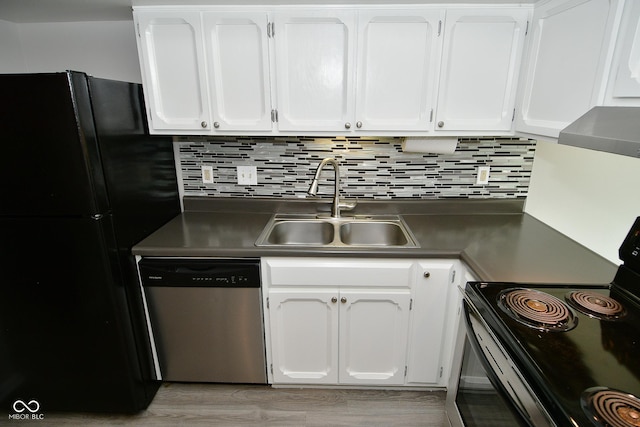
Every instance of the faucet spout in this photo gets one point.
(313, 188)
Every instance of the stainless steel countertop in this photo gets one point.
(495, 239)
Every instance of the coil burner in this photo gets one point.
(537, 309)
(595, 305)
(611, 408)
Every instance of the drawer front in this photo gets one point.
(337, 272)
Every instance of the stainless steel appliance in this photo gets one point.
(554, 354)
(81, 182)
(206, 318)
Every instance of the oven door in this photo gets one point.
(488, 389)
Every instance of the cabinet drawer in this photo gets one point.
(337, 272)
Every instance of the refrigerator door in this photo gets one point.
(139, 170)
(66, 338)
(50, 163)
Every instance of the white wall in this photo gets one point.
(100, 48)
(12, 60)
(590, 196)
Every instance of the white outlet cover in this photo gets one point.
(207, 174)
(247, 175)
(483, 175)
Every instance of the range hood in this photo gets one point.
(609, 129)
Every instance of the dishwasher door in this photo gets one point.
(206, 319)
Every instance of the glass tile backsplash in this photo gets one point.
(370, 168)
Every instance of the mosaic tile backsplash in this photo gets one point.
(370, 168)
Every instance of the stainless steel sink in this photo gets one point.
(374, 233)
(301, 233)
(358, 231)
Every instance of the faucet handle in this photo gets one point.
(347, 205)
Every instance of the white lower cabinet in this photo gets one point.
(373, 336)
(435, 281)
(367, 322)
(304, 335)
(331, 336)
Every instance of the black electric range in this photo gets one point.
(563, 355)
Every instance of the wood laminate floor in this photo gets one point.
(179, 404)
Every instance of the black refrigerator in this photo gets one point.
(81, 181)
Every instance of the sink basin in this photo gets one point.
(301, 233)
(385, 231)
(376, 233)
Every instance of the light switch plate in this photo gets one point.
(247, 175)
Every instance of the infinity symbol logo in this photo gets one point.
(19, 406)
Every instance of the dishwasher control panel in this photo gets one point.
(200, 272)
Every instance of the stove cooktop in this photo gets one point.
(572, 343)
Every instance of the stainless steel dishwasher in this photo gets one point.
(206, 318)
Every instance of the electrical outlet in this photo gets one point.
(207, 174)
(483, 175)
(247, 175)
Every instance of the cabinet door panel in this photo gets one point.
(565, 65)
(373, 336)
(304, 336)
(481, 60)
(398, 58)
(238, 60)
(314, 68)
(173, 71)
(427, 323)
(624, 87)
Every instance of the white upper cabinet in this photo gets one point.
(480, 64)
(566, 69)
(314, 57)
(326, 70)
(398, 59)
(173, 71)
(624, 83)
(237, 52)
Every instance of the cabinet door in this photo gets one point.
(238, 61)
(625, 80)
(428, 321)
(173, 71)
(304, 335)
(565, 67)
(398, 59)
(315, 69)
(480, 64)
(373, 336)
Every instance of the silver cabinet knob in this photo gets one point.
(426, 274)
(347, 125)
(358, 125)
(440, 124)
(334, 300)
(216, 125)
(343, 300)
(203, 124)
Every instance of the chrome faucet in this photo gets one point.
(313, 188)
